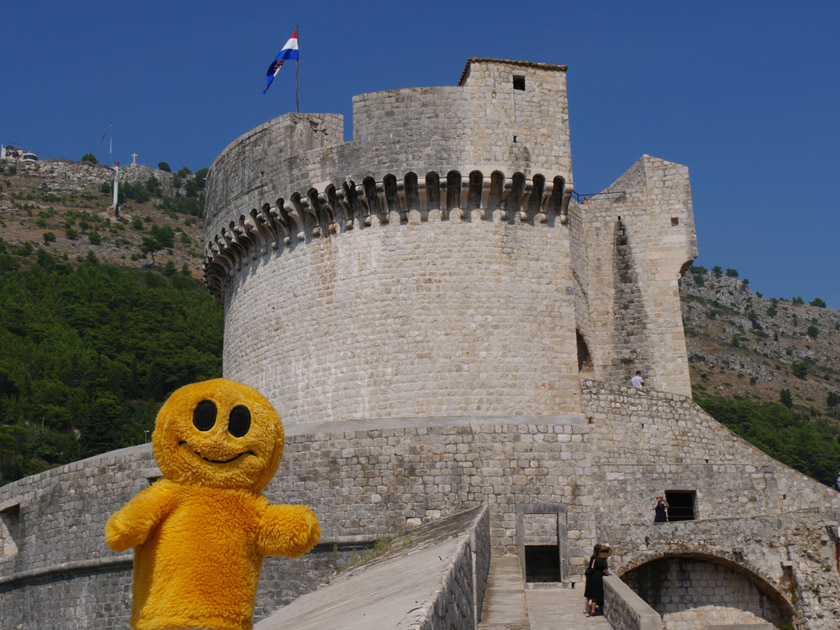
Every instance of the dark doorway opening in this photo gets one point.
(583, 356)
(542, 563)
(680, 505)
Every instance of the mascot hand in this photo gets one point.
(288, 530)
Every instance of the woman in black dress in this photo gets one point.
(595, 572)
(661, 508)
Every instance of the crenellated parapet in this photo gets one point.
(333, 210)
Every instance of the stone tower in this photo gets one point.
(436, 265)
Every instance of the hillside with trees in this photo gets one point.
(90, 351)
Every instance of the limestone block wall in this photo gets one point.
(257, 167)
(639, 236)
(57, 572)
(484, 124)
(691, 593)
(597, 473)
(762, 567)
(646, 442)
(435, 319)
(625, 610)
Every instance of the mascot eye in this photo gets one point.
(240, 421)
(204, 416)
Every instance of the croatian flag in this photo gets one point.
(289, 51)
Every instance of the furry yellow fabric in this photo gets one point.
(201, 532)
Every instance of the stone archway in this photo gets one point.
(703, 591)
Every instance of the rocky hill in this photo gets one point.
(740, 344)
(744, 345)
(65, 206)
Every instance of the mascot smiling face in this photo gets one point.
(219, 434)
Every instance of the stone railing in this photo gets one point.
(625, 610)
(316, 214)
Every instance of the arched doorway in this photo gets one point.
(707, 592)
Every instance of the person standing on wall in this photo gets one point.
(661, 507)
(637, 381)
(595, 572)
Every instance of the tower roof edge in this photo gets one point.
(511, 62)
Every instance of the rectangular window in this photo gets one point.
(681, 504)
(519, 82)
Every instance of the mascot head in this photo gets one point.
(220, 434)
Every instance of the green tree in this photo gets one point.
(95, 238)
(184, 172)
(165, 235)
(169, 269)
(150, 245)
(797, 300)
(717, 270)
(786, 398)
(799, 369)
(49, 237)
(90, 157)
(832, 400)
(731, 273)
(813, 331)
(817, 302)
(163, 166)
(71, 234)
(153, 186)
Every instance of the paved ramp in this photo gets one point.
(505, 606)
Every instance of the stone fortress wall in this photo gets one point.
(441, 326)
(585, 473)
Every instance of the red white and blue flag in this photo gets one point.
(289, 51)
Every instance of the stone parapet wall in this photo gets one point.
(430, 580)
(455, 603)
(484, 125)
(625, 610)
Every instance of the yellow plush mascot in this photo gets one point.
(201, 532)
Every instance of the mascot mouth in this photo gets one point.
(217, 461)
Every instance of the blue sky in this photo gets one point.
(744, 92)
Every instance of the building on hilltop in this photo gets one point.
(441, 325)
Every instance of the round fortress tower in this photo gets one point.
(433, 266)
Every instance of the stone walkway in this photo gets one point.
(557, 608)
(508, 605)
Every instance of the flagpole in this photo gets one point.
(297, 74)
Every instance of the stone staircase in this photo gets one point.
(511, 605)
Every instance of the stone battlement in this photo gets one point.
(436, 197)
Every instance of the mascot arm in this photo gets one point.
(288, 530)
(131, 525)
